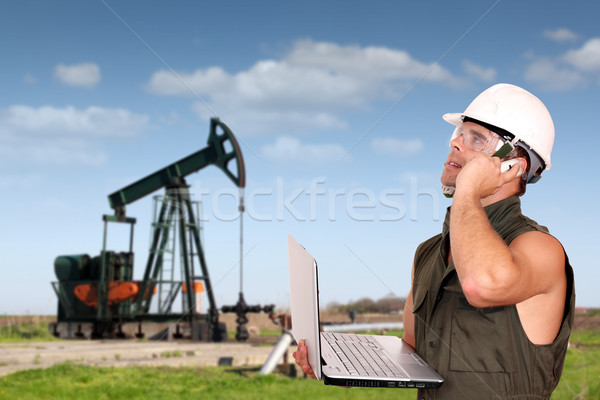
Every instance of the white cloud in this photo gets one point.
(51, 153)
(309, 86)
(561, 35)
(70, 121)
(199, 82)
(478, 72)
(372, 63)
(63, 136)
(85, 75)
(261, 121)
(575, 68)
(396, 147)
(586, 58)
(553, 76)
(291, 150)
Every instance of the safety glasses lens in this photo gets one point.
(485, 142)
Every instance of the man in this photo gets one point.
(492, 299)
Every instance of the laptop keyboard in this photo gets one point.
(362, 355)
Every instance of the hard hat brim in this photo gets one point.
(453, 118)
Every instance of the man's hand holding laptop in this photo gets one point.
(301, 357)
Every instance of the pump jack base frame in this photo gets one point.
(160, 329)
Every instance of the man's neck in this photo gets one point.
(504, 192)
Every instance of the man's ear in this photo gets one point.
(523, 165)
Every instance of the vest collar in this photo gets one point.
(495, 212)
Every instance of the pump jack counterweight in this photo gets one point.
(100, 292)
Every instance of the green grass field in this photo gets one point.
(73, 381)
(69, 381)
(28, 331)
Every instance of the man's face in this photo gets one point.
(471, 139)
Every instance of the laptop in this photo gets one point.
(344, 359)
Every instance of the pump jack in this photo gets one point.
(101, 292)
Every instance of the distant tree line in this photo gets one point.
(387, 305)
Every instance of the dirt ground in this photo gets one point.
(126, 353)
(130, 353)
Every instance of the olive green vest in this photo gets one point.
(482, 353)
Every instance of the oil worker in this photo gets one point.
(492, 300)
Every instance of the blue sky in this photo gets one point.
(337, 106)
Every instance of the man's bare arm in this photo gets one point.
(492, 273)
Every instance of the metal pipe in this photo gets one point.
(280, 348)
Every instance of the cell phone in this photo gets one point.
(508, 164)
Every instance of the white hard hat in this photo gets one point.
(518, 113)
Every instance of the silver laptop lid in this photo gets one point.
(304, 301)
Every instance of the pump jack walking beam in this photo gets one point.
(222, 150)
(172, 175)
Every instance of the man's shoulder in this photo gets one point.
(427, 247)
(431, 242)
(517, 224)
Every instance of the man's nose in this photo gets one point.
(458, 143)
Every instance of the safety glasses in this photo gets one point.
(478, 139)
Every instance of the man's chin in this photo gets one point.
(448, 181)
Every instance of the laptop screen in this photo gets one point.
(304, 301)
